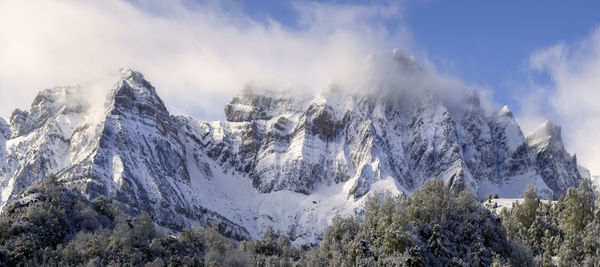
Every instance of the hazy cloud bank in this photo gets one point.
(197, 55)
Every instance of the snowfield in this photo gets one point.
(497, 204)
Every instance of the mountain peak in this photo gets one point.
(134, 94)
(472, 98)
(47, 104)
(558, 168)
(250, 105)
(547, 133)
(337, 145)
(551, 129)
(129, 74)
(136, 81)
(395, 61)
(505, 112)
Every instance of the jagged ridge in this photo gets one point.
(276, 160)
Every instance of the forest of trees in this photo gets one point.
(434, 226)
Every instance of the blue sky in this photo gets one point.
(489, 42)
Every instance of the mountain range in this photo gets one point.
(278, 159)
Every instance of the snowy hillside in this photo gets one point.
(279, 160)
(497, 204)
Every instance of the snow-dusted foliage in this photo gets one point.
(564, 232)
(434, 226)
(52, 225)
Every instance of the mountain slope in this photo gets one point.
(279, 160)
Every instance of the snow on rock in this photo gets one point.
(4, 129)
(547, 134)
(585, 173)
(497, 204)
(279, 159)
(512, 134)
(4, 134)
(39, 141)
(596, 182)
(510, 144)
(556, 166)
(516, 186)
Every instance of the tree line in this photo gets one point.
(51, 225)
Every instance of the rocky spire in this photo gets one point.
(548, 134)
(557, 167)
(47, 104)
(134, 95)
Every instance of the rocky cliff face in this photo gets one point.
(278, 160)
(558, 168)
(132, 154)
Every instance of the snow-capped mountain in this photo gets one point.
(277, 159)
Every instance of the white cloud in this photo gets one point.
(572, 97)
(197, 55)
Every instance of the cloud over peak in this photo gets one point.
(197, 54)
